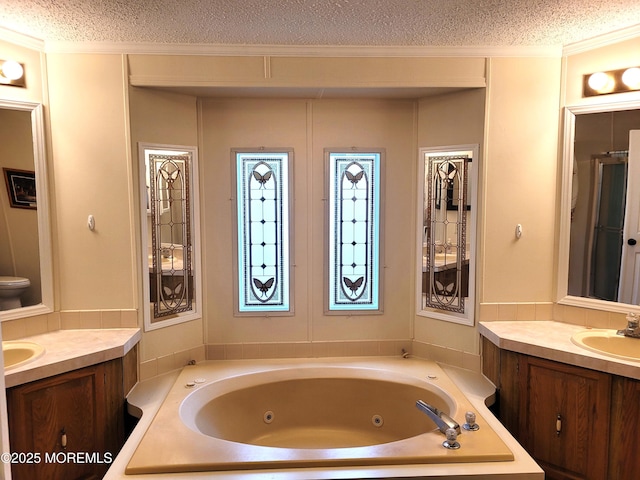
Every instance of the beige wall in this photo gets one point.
(308, 74)
(308, 126)
(92, 174)
(520, 181)
(166, 119)
(518, 135)
(445, 120)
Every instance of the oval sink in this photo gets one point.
(18, 353)
(608, 342)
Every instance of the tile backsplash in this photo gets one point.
(67, 320)
(587, 317)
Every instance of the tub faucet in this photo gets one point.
(441, 419)
(633, 327)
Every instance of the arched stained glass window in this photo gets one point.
(263, 233)
(353, 231)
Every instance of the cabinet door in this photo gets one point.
(57, 418)
(624, 460)
(565, 421)
(510, 394)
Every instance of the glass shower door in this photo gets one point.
(608, 229)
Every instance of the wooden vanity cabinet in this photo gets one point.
(565, 424)
(569, 419)
(70, 425)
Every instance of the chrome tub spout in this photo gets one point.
(441, 419)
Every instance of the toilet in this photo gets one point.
(11, 289)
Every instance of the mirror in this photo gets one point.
(597, 213)
(170, 233)
(447, 240)
(24, 209)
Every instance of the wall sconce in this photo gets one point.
(12, 73)
(612, 81)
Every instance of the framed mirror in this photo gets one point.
(599, 216)
(25, 233)
(446, 243)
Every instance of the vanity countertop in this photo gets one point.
(67, 350)
(552, 340)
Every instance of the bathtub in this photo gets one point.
(294, 414)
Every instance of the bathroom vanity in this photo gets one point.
(570, 408)
(66, 409)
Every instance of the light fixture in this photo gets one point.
(631, 78)
(612, 81)
(601, 82)
(12, 73)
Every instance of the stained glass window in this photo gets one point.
(263, 246)
(170, 233)
(447, 272)
(448, 180)
(353, 231)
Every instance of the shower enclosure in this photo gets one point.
(606, 225)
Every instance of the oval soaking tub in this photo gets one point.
(247, 415)
(329, 407)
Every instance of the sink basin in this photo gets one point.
(18, 353)
(608, 342)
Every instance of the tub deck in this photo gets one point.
(170, 446)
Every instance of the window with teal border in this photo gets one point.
(353, 227)
(263, 231)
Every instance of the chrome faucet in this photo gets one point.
(443, 247)
(443, 421)
(633, 327)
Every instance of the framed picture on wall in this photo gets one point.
(21, 187)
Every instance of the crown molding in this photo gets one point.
(150, 48)
(301, 50)
(604, 40)
(21, 39)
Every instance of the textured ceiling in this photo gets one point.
(321, 22)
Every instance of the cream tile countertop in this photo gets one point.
(67, 350)
(552, 340)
